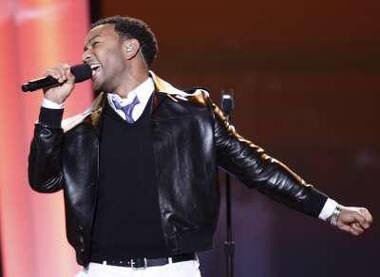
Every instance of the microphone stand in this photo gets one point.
(229, 245)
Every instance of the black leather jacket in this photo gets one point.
(191, 137)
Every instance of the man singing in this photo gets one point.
(138, 168)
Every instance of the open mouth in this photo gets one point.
(96, 68)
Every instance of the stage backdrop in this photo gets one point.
(35, 34)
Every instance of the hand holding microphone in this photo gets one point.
(58, 82)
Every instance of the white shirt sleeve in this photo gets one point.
(328, 209)
(46, 103)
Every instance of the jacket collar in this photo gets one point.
(93, 113)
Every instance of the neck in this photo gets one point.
(130, 81)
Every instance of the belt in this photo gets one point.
(141, 263)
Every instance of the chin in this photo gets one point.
(103, 88)
(97, 91)
(98, 86)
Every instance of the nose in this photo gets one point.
(86, 56)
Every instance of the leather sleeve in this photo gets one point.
(44, 168)
(253, 167)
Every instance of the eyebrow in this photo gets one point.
(89, 42)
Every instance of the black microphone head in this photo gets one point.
(227, 102)
(81, 72)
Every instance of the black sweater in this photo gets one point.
(127, 221)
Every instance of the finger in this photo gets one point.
(62, 73)
(354, 232)
(349, 229)
(351, 226)
(53, 73)
(357, 227)
(359, 218)
(346, 228)
(68, 75)
(367, 215)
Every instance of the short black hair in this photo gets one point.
(129, 27)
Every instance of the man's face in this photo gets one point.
(103, 51)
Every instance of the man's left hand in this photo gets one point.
(354, 220)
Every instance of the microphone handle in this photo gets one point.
(37, 84)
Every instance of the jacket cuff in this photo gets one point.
(51, 117)
(315, 202)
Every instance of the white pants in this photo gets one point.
(180, 269)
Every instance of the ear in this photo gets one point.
(131, 47)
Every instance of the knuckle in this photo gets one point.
(51, 71)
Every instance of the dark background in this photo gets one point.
(306, 80)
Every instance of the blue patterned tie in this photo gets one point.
(127, 109)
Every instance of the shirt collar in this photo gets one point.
(142, 92)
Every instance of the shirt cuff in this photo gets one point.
(328, 209)
(46, 103)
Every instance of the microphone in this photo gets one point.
(81, 73)
(228, 102)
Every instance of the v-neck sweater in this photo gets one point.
(127, 220)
